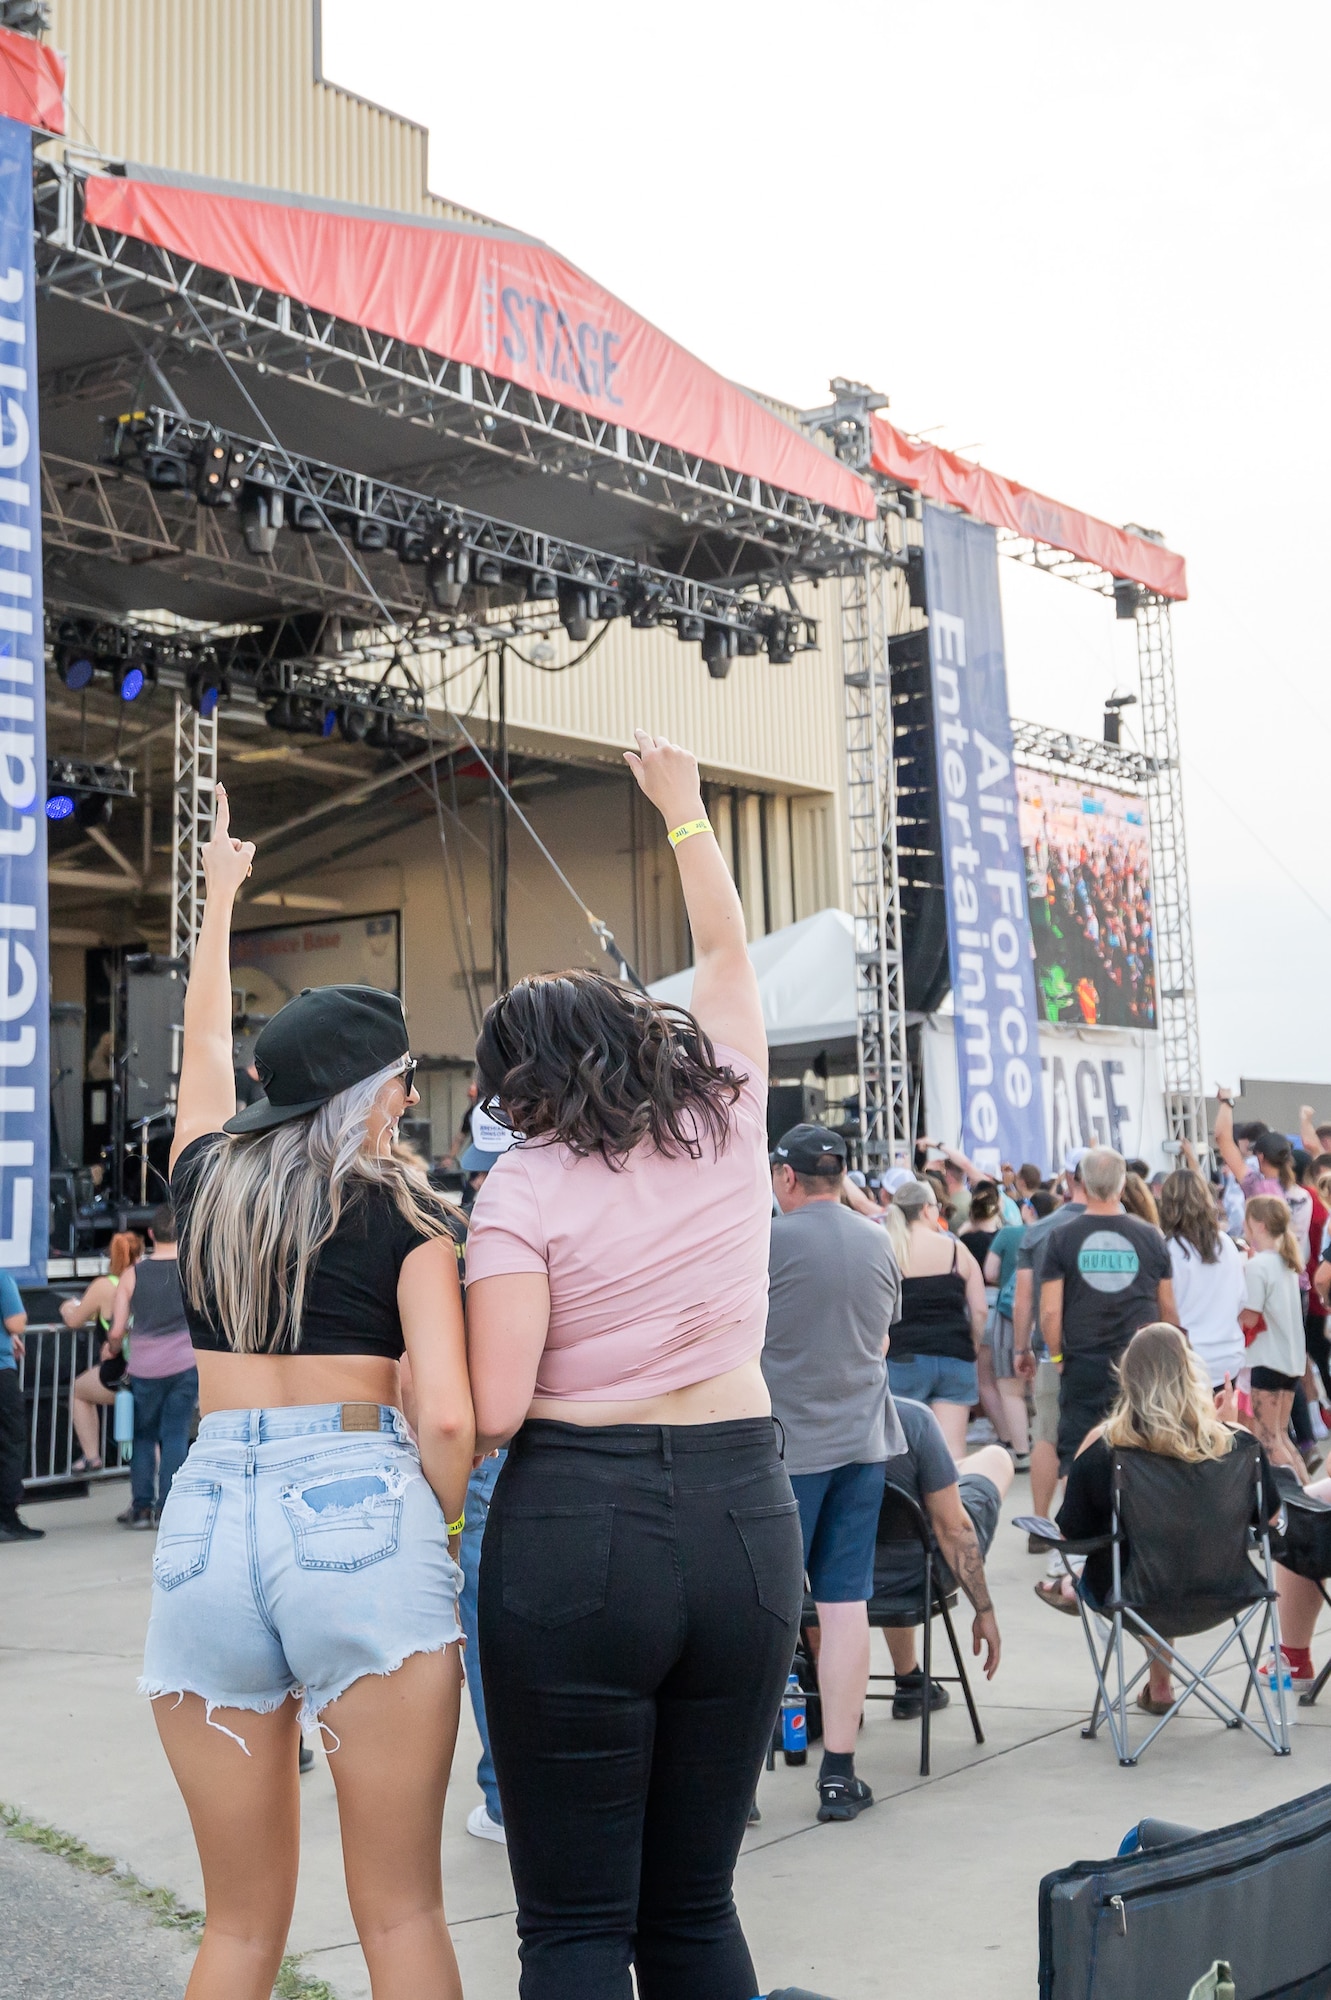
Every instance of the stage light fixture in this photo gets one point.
(354, 722)
(76, 668)
(412, 546)
(282, 714)
(206, 690)
(718, 649)
(130, 679)
(167, 471)
(489, 570)
(915, 590)
(690, 628)
(645, 604)
(60, 806)
(93, 809)
(307, 517)
(748, 643)
(327, 722)
(261, 516)
(542, 586)
(611, 604)
(371, 536)
(1127, 596)
(447, 573)
(577, 608)
(383, 731)
(222, 474)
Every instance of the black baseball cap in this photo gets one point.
(323, 1041)
(811, 1149)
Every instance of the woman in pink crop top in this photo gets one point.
(642, 1575)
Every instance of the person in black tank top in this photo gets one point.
(932, 1355)
(304, 1574)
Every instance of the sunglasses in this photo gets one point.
(407, 1076)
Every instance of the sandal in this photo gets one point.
(1049, 1590)
(1148, 1702)
(82, 1465)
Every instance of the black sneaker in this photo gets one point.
(137, 1517)
(306, 1759)
(908, 1701)
(14, 1530)
(842, 1798)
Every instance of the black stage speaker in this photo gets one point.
(154, 1016)
(793, 1104)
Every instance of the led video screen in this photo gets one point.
(1088, 875)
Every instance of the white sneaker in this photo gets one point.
(480, 1823)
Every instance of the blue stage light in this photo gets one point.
(130, 682)
(59, 806)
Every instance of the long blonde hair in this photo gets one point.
(1274, 1216)
(266, 1203)
(1165, 1403)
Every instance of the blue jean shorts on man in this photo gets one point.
(295, 1555)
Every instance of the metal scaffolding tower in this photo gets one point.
(875, 885)
(1180, 1038)
(195, 784)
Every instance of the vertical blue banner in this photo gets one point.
(988, 924)
(25, 1097)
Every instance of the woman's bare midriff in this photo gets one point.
(275, 1381)
(741, 1392)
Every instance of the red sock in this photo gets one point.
(1300, 1659)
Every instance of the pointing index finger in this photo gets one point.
(221, 813)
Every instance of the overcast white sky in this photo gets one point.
(1088, 243)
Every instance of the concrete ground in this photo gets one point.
(64, 1932)
(931, 1894)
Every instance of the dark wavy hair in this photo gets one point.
(573, 1057)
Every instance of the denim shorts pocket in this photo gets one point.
(345, 1520)
(186, 1532)
(775, 1548)
(556, 1562)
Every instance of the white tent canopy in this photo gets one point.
(806, 977)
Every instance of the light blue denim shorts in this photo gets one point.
(292, 1558)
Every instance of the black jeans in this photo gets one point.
(640, 1592)
(13, 1441)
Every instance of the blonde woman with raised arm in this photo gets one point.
(302, 1572)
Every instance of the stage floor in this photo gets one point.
(931, 1894)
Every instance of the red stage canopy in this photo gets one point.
(485, 296)
(32, 82)
(987, 496)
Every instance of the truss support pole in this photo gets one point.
(1171, 904)
(194, 786)
(874, 878)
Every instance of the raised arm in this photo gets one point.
(207, 1080)
(725, 987)
(1224, 1138)
(1308, 1130)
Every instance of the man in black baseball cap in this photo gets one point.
(811, 1149)
(322, 1042)
(835, 1290)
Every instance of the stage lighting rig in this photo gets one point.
(85, 792)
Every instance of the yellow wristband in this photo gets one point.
(690, 827)
(455, 1527)
(1056, 1359)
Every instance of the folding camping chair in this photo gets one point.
(1302, 1543)
(1180, 1543)
(904, 1525)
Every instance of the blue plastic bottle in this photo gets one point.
(123, 1425)
(794, 1723)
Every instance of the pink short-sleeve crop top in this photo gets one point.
(658, 1268)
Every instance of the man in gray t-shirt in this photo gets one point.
(835, 1290)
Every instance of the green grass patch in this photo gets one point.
(164, 1908)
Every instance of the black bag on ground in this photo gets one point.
(1149, 1926)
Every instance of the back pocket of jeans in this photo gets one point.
(772, 1541)
(556, 1562)
(345, 1520)
(186, 1533)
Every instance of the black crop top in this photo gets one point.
(351, 1297)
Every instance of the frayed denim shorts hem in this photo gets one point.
(294, 1558)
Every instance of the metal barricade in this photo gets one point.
(52, 1357)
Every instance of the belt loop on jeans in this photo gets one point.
(359, 1416)
(665, 1444)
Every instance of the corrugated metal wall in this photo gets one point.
(228, 87)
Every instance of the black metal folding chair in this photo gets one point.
(903, 1525)
(1181, 1543)
(1302, 1543)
